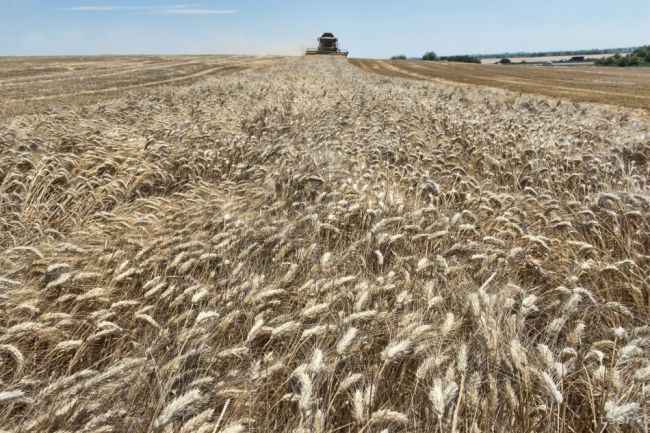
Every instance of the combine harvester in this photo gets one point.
(327, 45)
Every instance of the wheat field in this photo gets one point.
(312, 248)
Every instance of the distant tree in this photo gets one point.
(505, 61)
(399, 57)
(643, 53)
(430, 55)
(646, 53)
(635, 61)
(604, 61)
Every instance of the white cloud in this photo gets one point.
(95, 8)
(196, 11)
(121, 8)
(178, 9)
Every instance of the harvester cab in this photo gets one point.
(327, 45)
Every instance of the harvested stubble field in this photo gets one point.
(48, 83)
(627, 87)
(313, 248)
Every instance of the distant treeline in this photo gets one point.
(638, 57)
(558, 53)
(431, 56)
(635, 56)
(463, 59)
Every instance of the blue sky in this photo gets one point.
(376, 28)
